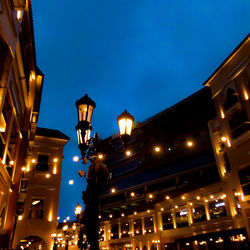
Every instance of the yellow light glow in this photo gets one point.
(50, 216)
(190, 144)
(135, 213)
(191, 204)
(47, 175)
(246, 96)
(183, 197)
(20, 217)
(157, 149)
(132, 194)
(228, 143)
(125, 126)
(71, 182)
(113, 190)
(128, 153)
(55, 160)
(122, 215)
(54, 170)
(23, 169)
(33, 160)
(67, 218)
(11, 162)
(74, 227)
(211, 196)
(2, 123)
(110, 216)
(242, 197)
(76, 158)
(150, 196)
(99, 216)
(198, 197)
(35, 202)
(162, 209)
(176, 206)
(65, 227)
(148, 211)
(3, 161)
(10, 190)
(222, 114)
(206, 200)
(64, 221)
(223, 138)
(100, 156)
(58, 218)
(167, 197)
(19, 15)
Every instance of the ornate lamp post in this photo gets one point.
(92, 149)
(78, 210)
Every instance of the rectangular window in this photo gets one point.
(149, 225)
(199, 213)
(36, 210)
(114, 232)
(125, 229)
(167, 220)
(217, 209)
(138, 227)
(182, 218)
(42, 163)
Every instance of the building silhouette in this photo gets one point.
(183, 182)
(21, 83)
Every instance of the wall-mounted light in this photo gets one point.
(190, 144)
(113, 190)
(128, 152)
(167, 197)
(33, 160)
(55, 160)
(157, 149)
(19, 15)
(132, 194)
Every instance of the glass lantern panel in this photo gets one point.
(83, 112)
(129, 124)
(87, 135)
(122, 126)
(90, 113)
(79, 136)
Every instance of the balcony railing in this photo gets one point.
(241, 129)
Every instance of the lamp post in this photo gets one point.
(78, 210)
(93, 149)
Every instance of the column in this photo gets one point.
(160, 226)
(206, 205)
(119, 230)
(174, 218)
(131, 228)
(143, 225)
(154, 222)
(190, 214)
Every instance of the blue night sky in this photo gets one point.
(142, 55)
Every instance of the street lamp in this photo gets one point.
(85, 107)
(78, 210)
(125, 122)
(92, 149)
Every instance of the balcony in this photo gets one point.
(241, 129)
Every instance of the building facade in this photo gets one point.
(183, 181)
(39, 194)
(21, 84)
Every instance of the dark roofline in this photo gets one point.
(53, 133)
(227, 59)
(205, 88)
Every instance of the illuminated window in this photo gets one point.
(199, 213)
(36, 210)
(217, 208)
(181, 217)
